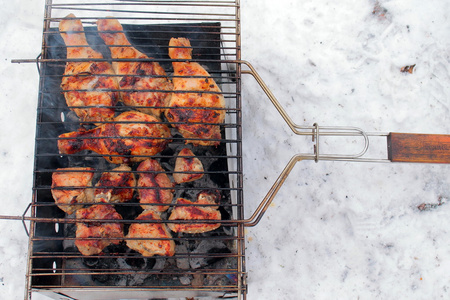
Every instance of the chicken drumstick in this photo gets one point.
(89, 89)
(132, 136)
(198, 105)
(142, 83)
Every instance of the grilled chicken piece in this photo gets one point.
(82, 81)
(150, 234)
(135, 76)
(194, 211)
(117, 184)
(107, 233)
(128, 136)
(154, 186)
(71, 187)
(187, 167)
(186, 109)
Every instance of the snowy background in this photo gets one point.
(336, 230)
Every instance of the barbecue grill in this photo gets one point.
(210, 264)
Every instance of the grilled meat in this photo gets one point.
(197, 112)
(129, 136)
(155, 237)
(107, 233)
(136, 78)
(154, 186)
(187, 167)
(90, 88)
(190, 210)
(117, 185)
(71, 187)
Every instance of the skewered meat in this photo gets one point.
(131, 135)
(107, 233)
(190, 210)
(82, 81)
(154, 186)
(187, 167)
(195, 112)
(117, 184)
(71, 187)
(142, 83)
(155, 236)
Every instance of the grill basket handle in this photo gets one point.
(419, 148)
(402, 147)
(265, 203)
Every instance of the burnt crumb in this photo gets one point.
(408, 69)
(430, 206)
(380, 11)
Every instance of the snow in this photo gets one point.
(336, 230)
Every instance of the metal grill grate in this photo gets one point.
(204, 264)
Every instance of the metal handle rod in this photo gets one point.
(250, 222)
(314, 131)
(265, 203)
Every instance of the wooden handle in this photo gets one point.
(420, 148)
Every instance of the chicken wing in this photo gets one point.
(132, 136)
(154, 186)
(142, 83)
(197, 107)
(90, 88)
(118, 185)
(71, 187)
(151, 238)
(107, 233)
(187, 167)
(189, 210)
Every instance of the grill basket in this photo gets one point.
(205, 264)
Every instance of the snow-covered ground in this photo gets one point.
(336, 230)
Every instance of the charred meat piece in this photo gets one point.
(197, 106)
(132, 134)
(71, 187)
(187, 167)
(189, 210)
(107, 233)
(154, 186)
(143, 84)
(118, 184)
(90, 88)
(151, 238)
